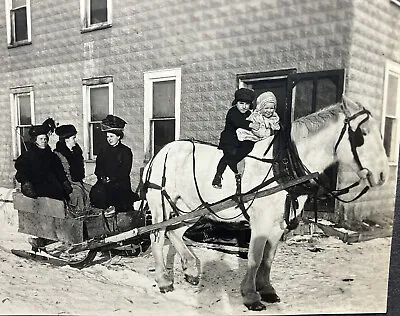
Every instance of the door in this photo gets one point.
(311, 92)
(300, 94)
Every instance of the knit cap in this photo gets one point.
(264, 98)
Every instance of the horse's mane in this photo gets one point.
(311, 124)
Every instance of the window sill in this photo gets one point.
(96, 27)
(20, 43)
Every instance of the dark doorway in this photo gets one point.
(300, 94)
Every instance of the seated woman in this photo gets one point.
(113, 167)
(70, 154)
(39, 170)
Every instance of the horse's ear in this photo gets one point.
(349, 105)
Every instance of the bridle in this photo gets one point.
(356, 140)
(356, 137)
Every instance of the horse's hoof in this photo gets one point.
(166, 289)
(270, 298)
(256, 306)
(193, 280)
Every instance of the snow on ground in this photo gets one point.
(317, 275)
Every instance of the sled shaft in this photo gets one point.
(218, 206)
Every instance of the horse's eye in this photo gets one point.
(364, 131)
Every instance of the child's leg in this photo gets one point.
(233, 160)
(222, 164)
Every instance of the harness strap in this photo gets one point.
(363, 191)
(291, 202)
(270, 146)
(239, 199)
(203, 202)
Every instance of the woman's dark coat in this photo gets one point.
(43, 169)
(116, 164)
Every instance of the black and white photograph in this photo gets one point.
(199, 157)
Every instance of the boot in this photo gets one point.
(216, 183)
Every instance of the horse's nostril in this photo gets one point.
(382, 177)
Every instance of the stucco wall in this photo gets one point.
(374, 39)
(212, 41)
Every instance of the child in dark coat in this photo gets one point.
(235, 150)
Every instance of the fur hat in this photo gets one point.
(36, 130)
(264, 98)
(66, 131)
(244, 95)
(112, 123)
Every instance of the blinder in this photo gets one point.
(356, 137)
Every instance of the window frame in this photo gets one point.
(89, 84)
(149, 78)
(15, 93)
(397, 2)
(10, 23)
(391, 68)
(85, 17)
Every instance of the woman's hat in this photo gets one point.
(112, 123)
(36, 130)
(244, 95)
(50, 123)
(66, 131)
(264, 98)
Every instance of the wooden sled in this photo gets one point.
(76, 241)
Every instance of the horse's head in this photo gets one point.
(364, 149)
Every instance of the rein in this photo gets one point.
(165, 196)
(293, 167)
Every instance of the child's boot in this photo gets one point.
(216, 183)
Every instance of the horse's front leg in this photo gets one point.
(263, 282)
(251, 299)
(163, 279)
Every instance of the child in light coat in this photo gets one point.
(266, 117)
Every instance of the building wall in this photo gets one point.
(212, 41)
(374, 40)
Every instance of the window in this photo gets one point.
(316, 90)
(95, 14)
(391, 111)
(162, 97)
(18, 20)
(22, 112)
(98, 103)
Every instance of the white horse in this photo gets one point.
(320, 143)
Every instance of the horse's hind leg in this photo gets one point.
(163, 279)
(188, 258)
(263, 283)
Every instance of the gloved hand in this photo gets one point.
(67, 187)
(28, 190)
